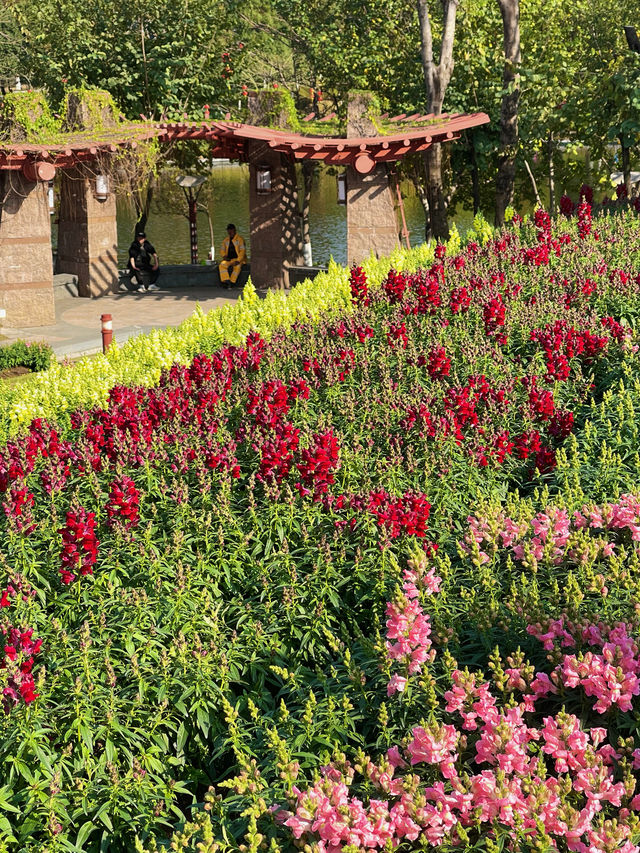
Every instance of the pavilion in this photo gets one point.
(87, 237)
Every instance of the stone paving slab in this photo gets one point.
(76, 331)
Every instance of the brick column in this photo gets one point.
(371, 217)
(26, 263)
(276, 240)
(87, 234)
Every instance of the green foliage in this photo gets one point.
(91, 110)
(339, 54)
(157, 58)
(10, 42)
(621, 101)
(25, 117)
(36, 356)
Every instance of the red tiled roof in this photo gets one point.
(364, 153)
(229, 139)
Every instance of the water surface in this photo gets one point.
(168, 229)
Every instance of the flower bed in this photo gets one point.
(140, 361)
(378, 542)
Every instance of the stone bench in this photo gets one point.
(182, 275)
(188, 275)
(299, 274)
(65, 284)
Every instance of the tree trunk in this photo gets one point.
(143, 206)
(552, 175)
(533, 183)
(475, 175)
(415, 170)
(3, 191)
(436, 81)
(510, 11)
(435, 193)
(626, 167)
(146, 71)
(205, 209)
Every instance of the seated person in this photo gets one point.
(234, 255)
(143, 263)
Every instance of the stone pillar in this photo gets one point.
(276, 232)
(371, 217)
(26, 261)
(87, 234)
(276, 241)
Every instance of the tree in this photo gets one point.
(332, 50)
(436, 81)
(156, 57)
(10, 43)
(621, 110)
(569, 53)
(505, 181)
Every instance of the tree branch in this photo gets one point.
(446, 54)
(533, 183)
(437, 78)
(261, 27)
(426, 50)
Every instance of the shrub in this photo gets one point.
(35, 356)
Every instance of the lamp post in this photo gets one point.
(191, 186)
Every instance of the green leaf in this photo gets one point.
(102, 815)
(83, 834)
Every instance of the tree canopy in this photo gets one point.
(578, 78)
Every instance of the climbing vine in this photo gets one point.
(25, 116)
(276, 108)
(134, 171)
(89, 110)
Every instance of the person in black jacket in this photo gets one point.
(143, 262)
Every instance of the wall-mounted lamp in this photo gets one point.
(52, 199)
(342, 188)
(263, 179)
(102, 187)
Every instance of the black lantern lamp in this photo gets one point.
(263, 179)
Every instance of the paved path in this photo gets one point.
(77, 328)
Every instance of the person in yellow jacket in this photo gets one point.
(234, 254)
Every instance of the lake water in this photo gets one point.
(229, 192)
(227, 189)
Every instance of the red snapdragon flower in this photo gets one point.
(584, 220)
(358, 285)
(318, 464)
(493, 315)
(79, 544)
(123, 505)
